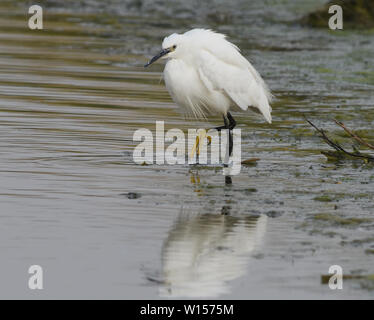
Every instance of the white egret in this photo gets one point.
(206, 74)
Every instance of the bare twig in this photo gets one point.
(354, 136)
(338, 147)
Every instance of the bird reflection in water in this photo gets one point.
(204, 252)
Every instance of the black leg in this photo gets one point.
(231, 122)
(220, 128)
(228, 180)
(227, 127)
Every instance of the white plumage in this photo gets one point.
(206, 74)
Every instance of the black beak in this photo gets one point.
(156, 57)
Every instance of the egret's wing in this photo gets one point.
(231, 73)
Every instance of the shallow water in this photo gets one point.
(73, 201)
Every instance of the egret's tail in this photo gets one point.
(264, 106)
(266, 112)
(263, 97)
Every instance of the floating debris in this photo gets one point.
(250, 190)
(274, 214)
(250, 162)
(131, 195)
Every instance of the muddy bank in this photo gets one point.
(357, 14)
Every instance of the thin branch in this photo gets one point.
(354, 136)
(337, 146)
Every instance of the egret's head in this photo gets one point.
(171, 47)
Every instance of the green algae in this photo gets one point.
(339, 220)
(324, 198)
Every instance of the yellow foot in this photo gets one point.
(199, 140)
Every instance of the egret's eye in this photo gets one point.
(174, 46)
